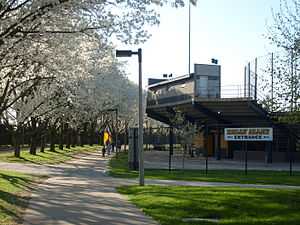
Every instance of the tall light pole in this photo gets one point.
(129, 53)
(189, 70)
(194, 3)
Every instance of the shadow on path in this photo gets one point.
(80, 193)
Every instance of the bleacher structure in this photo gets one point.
(200, 98)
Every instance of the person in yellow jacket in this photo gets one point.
(107, 139)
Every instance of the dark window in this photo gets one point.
(213, 78)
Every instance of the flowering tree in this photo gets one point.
(57, 69)
(26, 25)
(284, 34)
(186, 131)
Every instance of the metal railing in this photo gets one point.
(227, 91)
(163, 99)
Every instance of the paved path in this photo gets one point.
(31, 168)
(80, 193)
(218, 184)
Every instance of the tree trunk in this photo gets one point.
(61, 138)
(32, 150)
(92, 133)
(52, 139)
(126, 138)
(91, 138)
(42, 144)
(33, 140)
(17, 149)
(76, 139)
(81, 139)
(73, 138)
(68, 136)
(33, 145)
(82, 135)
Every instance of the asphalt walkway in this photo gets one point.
(81, 192)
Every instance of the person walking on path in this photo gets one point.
(107, 140)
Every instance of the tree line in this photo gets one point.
(284, 85)
(58, 72)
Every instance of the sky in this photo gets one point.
(231, 31)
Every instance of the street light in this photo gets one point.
(129, 53)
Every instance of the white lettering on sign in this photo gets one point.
(248, 134)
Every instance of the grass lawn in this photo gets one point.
(229, 205)
(47, 157)
(119, 168)
(14, 196)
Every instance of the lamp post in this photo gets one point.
(129, 53)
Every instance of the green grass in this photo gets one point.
(231, 205)
(119, 168)
(47, 157)
(14, 196)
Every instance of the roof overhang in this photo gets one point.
(237, 111)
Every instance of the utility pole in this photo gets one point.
(245, 81)
(140, 137)
(129, 53)
(292, 80)
(255, 80)
(272, 82)
(249, 83)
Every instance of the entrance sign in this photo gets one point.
(248, 134)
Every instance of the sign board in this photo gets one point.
(248, 134)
